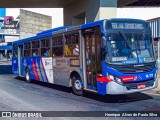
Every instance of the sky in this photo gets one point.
(57, 13)
(139, 13)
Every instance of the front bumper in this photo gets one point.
(116, 89)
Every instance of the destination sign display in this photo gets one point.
(127, 25)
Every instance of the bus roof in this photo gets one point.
(50, 32)
(102, 22)
(92, 24)
(42, 34)
(54, 29)
(33, 38)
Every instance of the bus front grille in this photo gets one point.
(148, 83)
(131, 69)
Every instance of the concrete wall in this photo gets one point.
(32, 23)
(84, 11)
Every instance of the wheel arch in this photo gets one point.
(73, 73)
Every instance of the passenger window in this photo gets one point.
(27, 49)
(57, 46)
(35, 48)
(45, 47)
(72, 45)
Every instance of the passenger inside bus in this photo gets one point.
(39, 52)
(15, 54)
(67, 50)
(47, 53)
(35, 53)
(26, 54)
(76, 50)
(54, 53)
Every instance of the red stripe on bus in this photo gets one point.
(103, 79)
(35, 70)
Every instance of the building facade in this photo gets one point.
(27, 24)
(155, 27)
(32, 23)
(9, 31)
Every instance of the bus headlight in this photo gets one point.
(114, 78)
(118, 80)
(111, 77)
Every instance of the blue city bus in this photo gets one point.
(113, 56)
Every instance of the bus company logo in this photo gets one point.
(137, 78)
(137, 71)
(8, 20)
(47, 63)
(139, 65)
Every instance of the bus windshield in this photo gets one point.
(130, 48)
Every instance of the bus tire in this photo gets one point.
(28, 80)
(77, 86)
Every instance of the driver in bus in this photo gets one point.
(114, 49)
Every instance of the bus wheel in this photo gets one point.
(27, 76)
(77, 86)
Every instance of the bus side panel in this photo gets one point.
(30, 63)
(15, 65)
(46, 69)
(62, 71)
(24, 65)
(40, 68)
(101, 87)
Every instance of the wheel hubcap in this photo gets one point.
(27, 76)
(78, 85)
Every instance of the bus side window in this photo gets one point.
(67, 49)
(57, 46)
(45, 47)
(27, 49)
(72, 44)
(35, 48)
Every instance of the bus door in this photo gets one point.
(93, 67)
(20, 55)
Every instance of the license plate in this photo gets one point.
(141, 86)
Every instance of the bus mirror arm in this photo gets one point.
(104, 50)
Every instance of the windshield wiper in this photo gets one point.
(124, 37)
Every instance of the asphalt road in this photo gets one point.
(17, 95)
